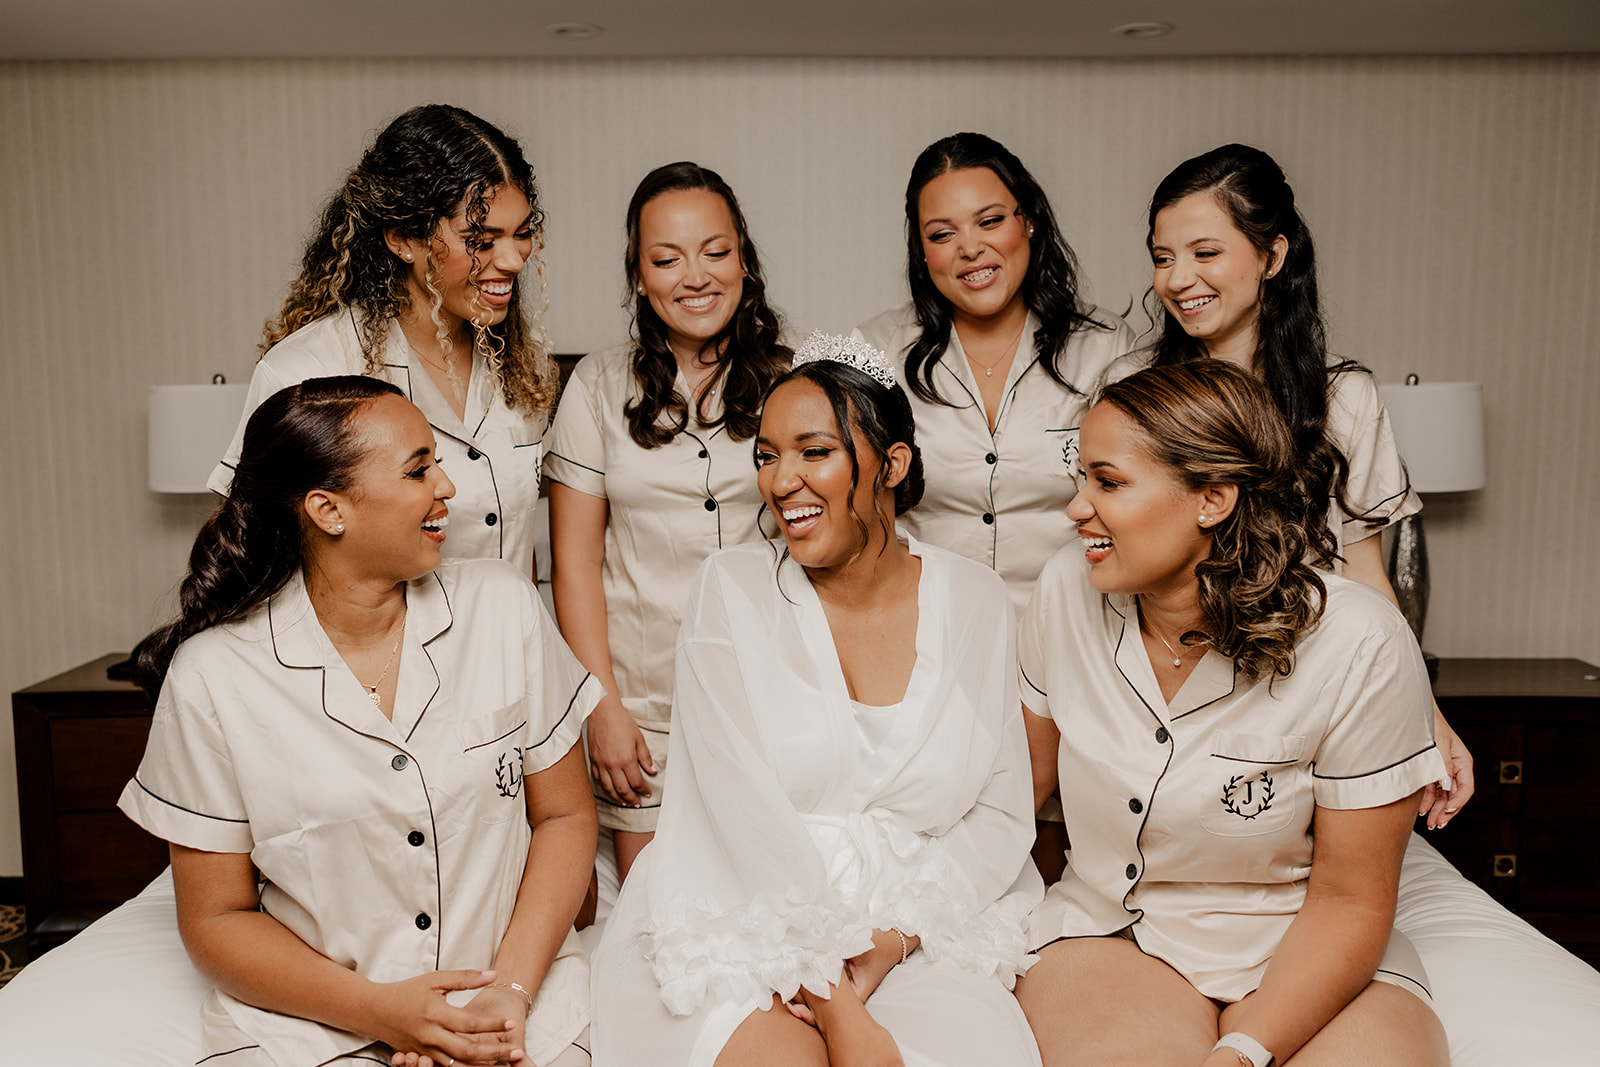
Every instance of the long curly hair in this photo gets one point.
(1049, 289)
(301, 438)
(426, 166)
(748, 349)
(1211, 423)
(1291, 340)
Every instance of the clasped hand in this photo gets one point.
(426, 1030)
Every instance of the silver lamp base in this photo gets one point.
(1408, 573)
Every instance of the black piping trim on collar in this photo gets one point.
(226, 1052)
(1144, 819)
(706, 448)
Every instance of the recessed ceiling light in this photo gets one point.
(1141, 30)
(573, 31)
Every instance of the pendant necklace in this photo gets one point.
(1177, 660)
(988, 372)
(372, 690)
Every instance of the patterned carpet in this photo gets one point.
(13, 953)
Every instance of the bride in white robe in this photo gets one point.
(831, 845)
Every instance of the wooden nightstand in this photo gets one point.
(79, 739)
(1531, 834)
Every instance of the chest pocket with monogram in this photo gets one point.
(1254, 784)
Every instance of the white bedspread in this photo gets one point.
(123, 994)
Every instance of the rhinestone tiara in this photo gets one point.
(851, 351)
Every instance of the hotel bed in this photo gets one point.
(123, 993)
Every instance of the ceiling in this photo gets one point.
(464, 29)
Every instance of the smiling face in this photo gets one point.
(1209, 276)
(804, 472)
(689, 265)
(501, 251)
(1138, 523)
(394, 515)
(976, 245)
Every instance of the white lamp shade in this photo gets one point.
(1438, 427)
(190, 428)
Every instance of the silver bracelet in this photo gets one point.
(513, 985)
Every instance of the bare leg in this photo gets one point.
(773, 1039)
(1384, 1026)
(1100, 1002)
(628, 844)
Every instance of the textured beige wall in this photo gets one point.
(152, 214)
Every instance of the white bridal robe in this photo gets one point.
(800, 821)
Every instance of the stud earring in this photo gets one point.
(338, 527)
(1205, 520)
(640, 287)
(408, 257)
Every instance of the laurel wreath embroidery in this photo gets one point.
(1259, 798)
(508, 773)
(1069, 455)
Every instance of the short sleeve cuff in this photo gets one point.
(546, 747)
(1033, 698)
(167, 818)
(1380, 787)
(574, 475)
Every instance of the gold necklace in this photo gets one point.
(372, 690)
(1177, 658)
(988, 372)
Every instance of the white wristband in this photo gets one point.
(1246, 1046)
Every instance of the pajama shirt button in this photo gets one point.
(1162, 735)
(988, 518)
(474, 455)
(416, 838)
(990, 458)
(1133, 806)
(1132, 872)
(702, 453)
(711, 505)
(399, 763)
(490, 519)
(423, 922)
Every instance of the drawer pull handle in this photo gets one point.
(1505, 865)
(1510, 772)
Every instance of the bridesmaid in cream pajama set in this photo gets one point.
(998, 353)
(651, 470)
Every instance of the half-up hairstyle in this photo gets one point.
(301, 438)
(1049, 289)
(748, 349)
(1291, 341)
(426, 166)
(1211, 423)
(876, 415)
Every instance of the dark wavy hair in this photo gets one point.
(301, 438)
(426, 165)
(1211, 423)
(1049, 289)
(748, 348)
(1291, 341)
(880, 416)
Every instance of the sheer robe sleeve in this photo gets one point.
(743, 902)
